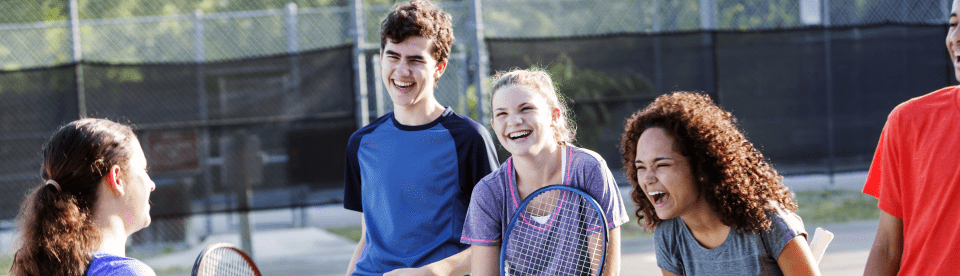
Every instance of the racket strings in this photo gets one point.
(554, 237)
(224, 262)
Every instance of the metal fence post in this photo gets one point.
(199, 56)
(378, 88)
(77, 56)
(708, 15)
(825, 8)
(828, 73)
(946, 9)
(657, 62)
(241, 170)
(292, 98)
(459, 53)
(360, 65)
(293, 30)
(481, 60)
(708, 25)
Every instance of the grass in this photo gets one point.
(629, 230)
(815, 207)
(6, 261)
(173, 270)
(350, 233)
(833, 206)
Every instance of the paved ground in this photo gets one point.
(311, 251)
(280, 250)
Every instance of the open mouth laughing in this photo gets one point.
(519, 134)
(658, 198)
(402, 85)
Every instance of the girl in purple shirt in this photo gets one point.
(532, 124)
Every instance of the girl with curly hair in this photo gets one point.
(715, 204)
(532, 123)
(95, 194)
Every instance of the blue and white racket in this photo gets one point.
(556, 230)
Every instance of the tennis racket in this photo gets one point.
(556, 230)
(224, 259)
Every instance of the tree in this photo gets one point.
(591, 94)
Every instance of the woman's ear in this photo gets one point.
(114, 184)
(555, 115)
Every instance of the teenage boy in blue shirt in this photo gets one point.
(411, 171)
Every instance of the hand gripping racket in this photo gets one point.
(224, 259)
(556, 230)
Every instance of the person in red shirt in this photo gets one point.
(915, 174)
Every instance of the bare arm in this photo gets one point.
(797, 259)
(356, 253)
(884, 258)
(668, 273)
(612, 264)
(486, 260)
(458, 264)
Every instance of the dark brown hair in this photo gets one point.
(737, 181)
(419, 18)
(58, 236)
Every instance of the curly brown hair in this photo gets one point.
(419, 18)
(737, 180)
(57, 232)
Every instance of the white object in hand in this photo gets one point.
(818, 244)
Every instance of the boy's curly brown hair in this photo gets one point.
(737, 181)
(419, 18)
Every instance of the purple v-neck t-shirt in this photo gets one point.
(495, 197)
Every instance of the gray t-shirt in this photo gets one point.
(739, 254)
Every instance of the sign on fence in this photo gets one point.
(172, 151)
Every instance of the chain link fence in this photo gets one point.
(803, 77)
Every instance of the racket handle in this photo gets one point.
(818, 244)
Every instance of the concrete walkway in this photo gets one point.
(297, 251)
(282, 250)
(313, 251)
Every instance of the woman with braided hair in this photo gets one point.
(95, 194)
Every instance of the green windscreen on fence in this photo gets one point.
(796, 93)
(792, 93)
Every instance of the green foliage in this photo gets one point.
(687, 15)
(350, 233)
(746, 15)
(585, 91)
(29, 11)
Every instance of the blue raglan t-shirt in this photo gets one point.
(413, 185)
(104, 264)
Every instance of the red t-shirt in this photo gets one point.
(916, 177)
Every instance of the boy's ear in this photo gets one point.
(114, 184)
(441, 66)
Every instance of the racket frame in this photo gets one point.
(210, 248)
(526, 201)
